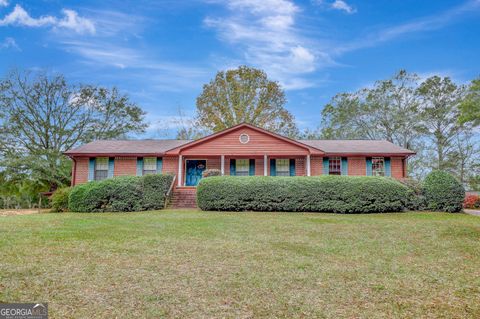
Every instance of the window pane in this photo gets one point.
(283, 166)
(101, 163)
(102, 174)
(242, 167)
(149, 164)
(378, 166)
(335, 165)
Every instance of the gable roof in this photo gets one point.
(169, 146)
(352, 147)
(176, 150)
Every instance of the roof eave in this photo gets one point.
(113, 154)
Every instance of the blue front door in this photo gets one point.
(193, 171)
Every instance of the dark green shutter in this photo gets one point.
(232, 167)
(139, 166)
(344, 167)
(251, 169)
(111, 163)
(91, 169)
(388, 167)
(273, 167)
(369, 166)
(292, 167)
(326, 168)
(159, 165)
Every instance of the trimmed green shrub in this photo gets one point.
(211, 172)
(155, 187)
(417, 199)
(59, 199)
(338, 194)
(443, 192)
(121, 194)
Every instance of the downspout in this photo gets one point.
(74, 171)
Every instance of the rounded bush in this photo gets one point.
(59, 199)
(443, 192)
(121, 194)
(338, 194)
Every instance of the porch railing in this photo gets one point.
(169, 194)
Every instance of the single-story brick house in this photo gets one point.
(240, 150)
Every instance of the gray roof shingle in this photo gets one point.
(357, 146)
(127, 147)
(131, 147)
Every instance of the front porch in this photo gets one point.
(190, 167)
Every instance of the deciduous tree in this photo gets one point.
(244, 95)
(43, 116)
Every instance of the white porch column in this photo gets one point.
(265, 165)
(308, 165)
(222, 164)
(179, 177)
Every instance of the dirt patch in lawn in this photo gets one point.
(13, 212)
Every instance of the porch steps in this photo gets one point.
(184, 197)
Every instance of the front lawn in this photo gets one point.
(192, 264)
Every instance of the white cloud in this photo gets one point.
(9, 43)
(71, 21)
(265, 34)
(3, 3)
(141, 66)
(21, 17)
(428, 23)
(74, 22)
(343, 6)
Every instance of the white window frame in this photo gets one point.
(282, 167)
(101, 173)
(378, 166)
(242, 167)
(334, 163)
(149, 170)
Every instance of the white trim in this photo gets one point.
(179, 177)
(242, 135)
(222, 164)
(308, 165)
(265, 165)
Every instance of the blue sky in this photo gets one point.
(162, 52)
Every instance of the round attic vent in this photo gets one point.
(244, 138)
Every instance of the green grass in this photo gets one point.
(191, 264)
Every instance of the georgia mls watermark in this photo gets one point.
(23, 310)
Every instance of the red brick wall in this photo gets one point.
(125, 166)
(81, 171)
(300, 166)
(357, 166)
(259, 166)
(397, 166)
(316, 165)
(170, 164)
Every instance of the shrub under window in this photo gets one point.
(121, 194)
(339, 194)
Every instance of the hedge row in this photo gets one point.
(338, 194)
(120, 194)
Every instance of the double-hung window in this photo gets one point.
(335, 166)
(283, 167)
(378, 166)
(242, 167)
(149, 165)
(101, 168)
